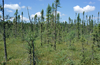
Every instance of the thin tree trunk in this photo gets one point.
(34, 62)
(30, 53)
(4, 36)
(55, 26)
(30, 56)
(41, 34)
(16, 27)
(22, 27)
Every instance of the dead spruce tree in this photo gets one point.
(31, 37)
(4, 32)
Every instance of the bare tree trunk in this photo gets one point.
(22, 32)
(16, 27)
(55, 26)
(30, 52)
(34, 62)
(41, 34)
(30, 56)
(4, 36)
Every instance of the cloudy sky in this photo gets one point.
(68, 7)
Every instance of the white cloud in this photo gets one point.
(23, 6)
(38, 14)
(60, 13)
(91, 2)
(12, 6)
(64, 20)
(24, 18)
(87, 8)
(9, 10)
(11, 19)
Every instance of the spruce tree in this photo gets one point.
(16, 17)
(57, 3)
(22, 29)
(78, 24)
(42, 20)
(48, 21)
(4, 36)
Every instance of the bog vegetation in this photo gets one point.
(49, 41)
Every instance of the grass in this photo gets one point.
(46, 55)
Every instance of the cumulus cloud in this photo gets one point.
(23, 6)
(12, 6)
(24, 18)
(59, 13)
(9, 10)
(87, 8)
(38, 14)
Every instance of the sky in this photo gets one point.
(68, 8)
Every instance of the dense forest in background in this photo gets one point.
(48, 41)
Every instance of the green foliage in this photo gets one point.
(82, 39)
(71, 35)
(30, 36)
(72, 48)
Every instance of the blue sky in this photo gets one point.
(68, 7)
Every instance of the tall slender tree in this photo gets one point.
(69, 24)
(57, 3)
(48, 21)
(98, 17)
(83, 23)
(78, 24)
(87, 23)
(83, 40)
(4, 36)
(35, 22)
(42, 20)
(16, 16)
(22, 26)
(32, 39)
